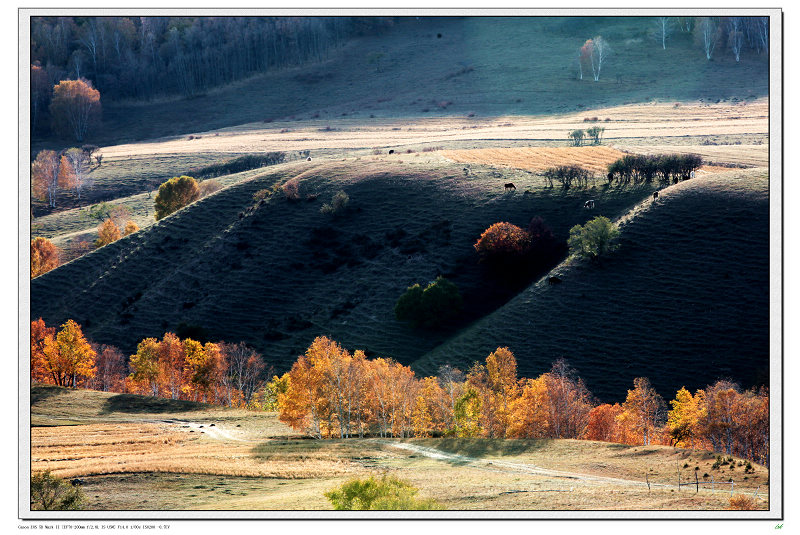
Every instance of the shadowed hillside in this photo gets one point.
(282, 273)
(684, 301)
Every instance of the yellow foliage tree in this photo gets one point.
(69, 355)
(107, 232)
(44, 256)
(130, 228)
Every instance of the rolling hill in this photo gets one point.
(279, 273)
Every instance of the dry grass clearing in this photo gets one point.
(648, 121)
(595, 159)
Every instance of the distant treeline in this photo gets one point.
(641, 168)
(143, 57)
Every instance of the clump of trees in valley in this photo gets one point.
(429, 307)
(511, 251)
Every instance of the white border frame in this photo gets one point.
(776, 273)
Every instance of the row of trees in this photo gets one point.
(330, 392)
(640, 168)
(221, 373)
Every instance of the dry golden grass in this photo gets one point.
(646, 121)
(97, 449)
(595, 159)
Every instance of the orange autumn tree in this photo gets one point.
(41, 337)
(569, 401)
(44, 256)
(603, 424)
(75, 108)
(69, 356)
(107, 232)
(170, 357)
(306, 405)
(530, 411)
(643, 411)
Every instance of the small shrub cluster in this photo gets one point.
(51, 493)
(174, 194)
(568, 175)
(207, 187)
(242, 163)
(439, 302)
(261, 194)
(577, 137)
(639, 168)
(596, 133)
(291, 189)
(337, 205)
(385, 494)
(594, 239)
(740, 502)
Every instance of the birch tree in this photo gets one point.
(707, 34)
(664, 27)
(735, 36)
(44, 176)
(599, 55)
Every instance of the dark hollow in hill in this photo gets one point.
(278, 274)
(684, 301)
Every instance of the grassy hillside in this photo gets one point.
(283, 273)
(140, 453)
(483, 65)
(684, 301)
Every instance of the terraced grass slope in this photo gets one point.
(278, 274)
(684, 301)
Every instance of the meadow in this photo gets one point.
(178, 455)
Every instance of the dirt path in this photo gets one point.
(515, 466)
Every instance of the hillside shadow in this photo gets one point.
(41, 393)
(482, 447)
(129, 403)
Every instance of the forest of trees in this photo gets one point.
(145, 57)
(332, 393)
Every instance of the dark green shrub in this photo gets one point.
(51, 493)
(439, 302)
(568, 175)
(385, 494)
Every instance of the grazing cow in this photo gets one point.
(589, 204)
(391, 151)
(655, 195)
(466, 171)
(510, 186)
(553, 280)
(308, 159)
(691, 175)
(77, 482)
